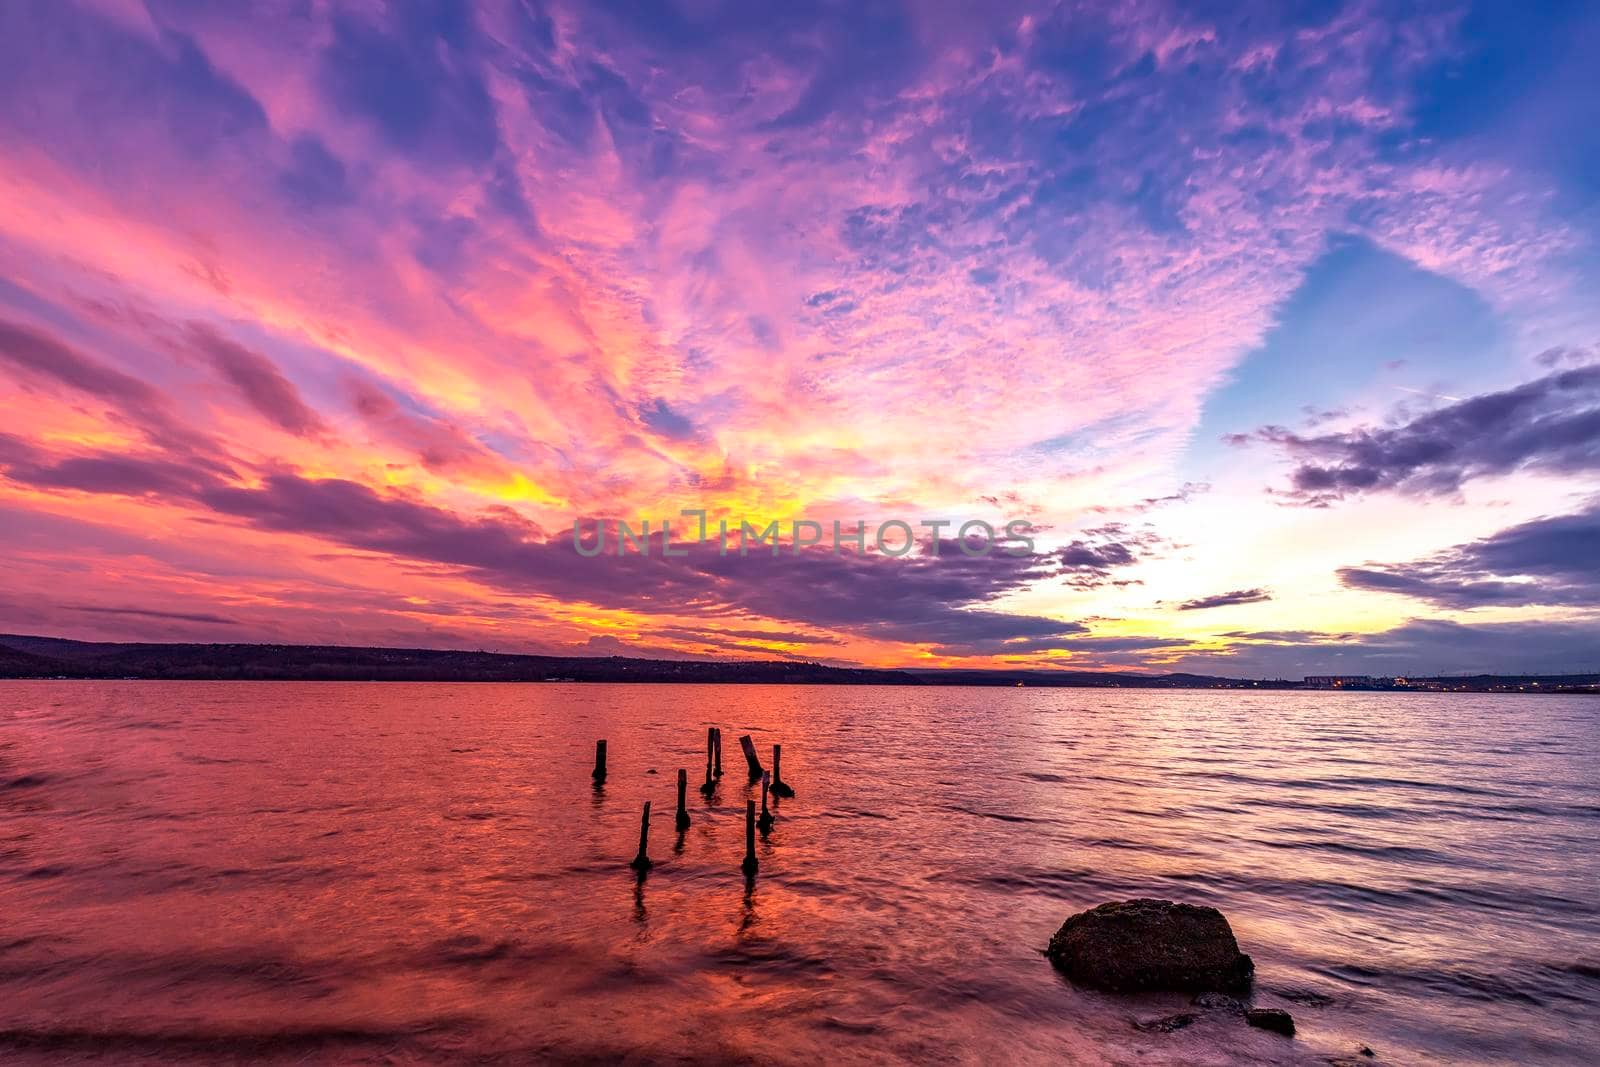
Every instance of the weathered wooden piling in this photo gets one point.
(764, 823)
(750, 758)
(641, 862)
(749, 865)
(780, 788)
(599, 761)
(683, 810)
(716, 749)
(710, 783)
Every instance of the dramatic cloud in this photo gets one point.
(122, 475)
(1420, 648)
(43, 358)
(328, 320)
(1550, 424)
(1546, 561)
(46, 363)
(1222, 600)
(933, 597)
(1089, 561)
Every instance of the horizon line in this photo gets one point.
(1135, 673)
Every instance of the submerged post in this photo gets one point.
(599, 761)
(716, 749)
(749, 865)
(780, 788)
(765, 822)
(751, 758)
(641, 862)
(683, 810)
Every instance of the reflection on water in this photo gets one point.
(421, 873)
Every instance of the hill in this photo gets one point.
(25, 656)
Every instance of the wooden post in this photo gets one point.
(683, 810)
(751, 758)
(641, 862)
(716, 749)
(749, 865)
(780, 788)
(710, 784)
(765, 822)
(599, 761)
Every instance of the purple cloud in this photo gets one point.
(1223, 600)
(104, 472)
(44, 358)
(162, 616)
(1546, 561)
(924, 598)
(257, 379)
(1089, 562)
(1549, 424)
(1419, 647)
(50, 363)
(122, 475)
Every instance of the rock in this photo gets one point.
(1165, 1025)
(1275, 1019)
(1137, 945)
(1218, 1002)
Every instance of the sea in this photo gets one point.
(393, 873)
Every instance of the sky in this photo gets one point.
(1272, 325)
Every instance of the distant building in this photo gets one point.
(1342, 681)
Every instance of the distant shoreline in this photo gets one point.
(47, 658)
(1587, 690)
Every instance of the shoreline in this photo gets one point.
(24, 657)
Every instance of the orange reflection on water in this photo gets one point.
(338, 872)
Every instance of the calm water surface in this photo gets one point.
(387, 873)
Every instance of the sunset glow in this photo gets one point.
(324, 324)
